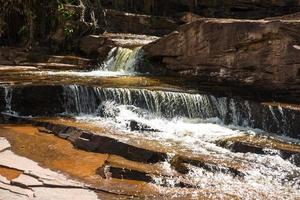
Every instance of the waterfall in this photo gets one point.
(122, 59)
(8, 98)
(76, 100)
(87, 100)
(79, 100)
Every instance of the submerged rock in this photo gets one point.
(138, 126)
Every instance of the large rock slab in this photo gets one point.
(37, 182)
(260, 53)
(100, 45)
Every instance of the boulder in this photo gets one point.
(138, 126)
(90, 44)
(262, 53)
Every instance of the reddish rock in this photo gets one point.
(91, 43)
(263, 53)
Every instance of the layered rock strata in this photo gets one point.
(261, 53)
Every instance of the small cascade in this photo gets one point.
(87, 100)
(122, 59)
(80, 100)
(8, 98)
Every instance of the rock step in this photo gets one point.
(141, 162)
(57, 154)
(181, 164)
(109, 172)
(89, 141)
(63, 59)
(100, 140)
(56, 66)
(51, 100)
(263, 145)
(100, 45)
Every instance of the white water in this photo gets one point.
(194, 133)
(8, 97)
(85, 100)
(119, 62)
(266, 176)
(122, 59)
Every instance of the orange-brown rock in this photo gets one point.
(262, 53)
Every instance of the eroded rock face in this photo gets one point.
(262, 53)
(38, 100)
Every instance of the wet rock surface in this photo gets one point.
(96, 143)
(118, 171)
(222, 124)
(263, 145)
(100, 45)
(58, 100)
(21, 178)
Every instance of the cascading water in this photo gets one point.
(8, 98)
(119, 62)
(80, 99)
(186, 120)
(188, 123)
(162, 104)
(122, 59)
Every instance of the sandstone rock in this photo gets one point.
(91, 43)
(94, 142)
(263, 145)
(36, 182)
(245, 52)
(114, 172)
(100, 45)
(187, 17)
(38, 100)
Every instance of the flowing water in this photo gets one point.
(265, 176)
(194, 122)
(119, 62)
(122, 59)
(8, 96)
(162, 104)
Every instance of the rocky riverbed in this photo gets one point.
(137, 99)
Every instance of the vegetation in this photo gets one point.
(32, 22)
